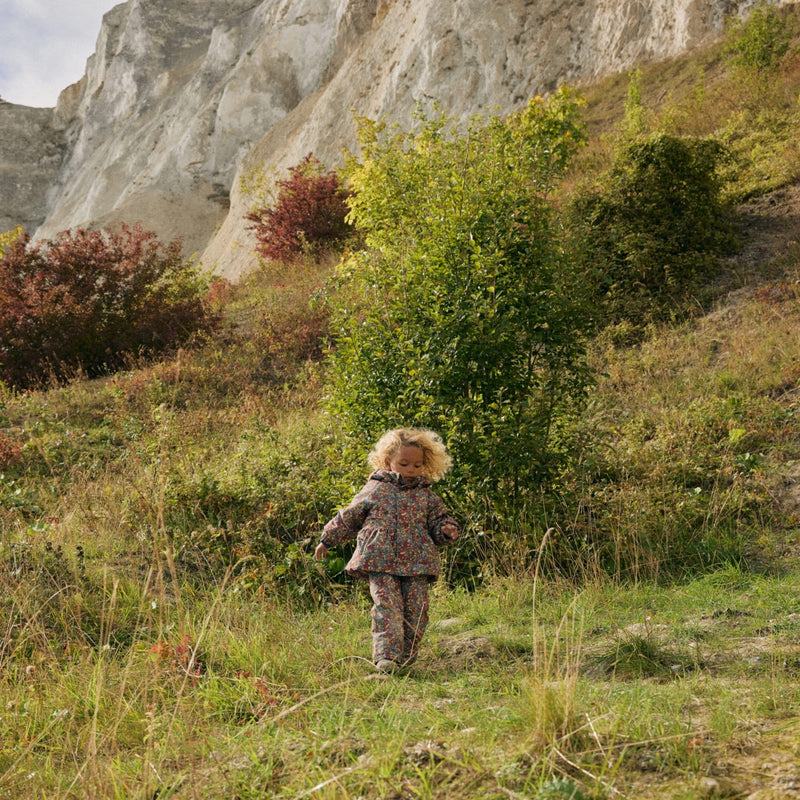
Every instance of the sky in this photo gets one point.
(44, 45)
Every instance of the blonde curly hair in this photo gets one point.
(436, 460)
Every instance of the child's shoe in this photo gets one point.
(385, 665)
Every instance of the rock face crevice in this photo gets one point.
(182, 99)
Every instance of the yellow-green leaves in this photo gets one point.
(460, 313)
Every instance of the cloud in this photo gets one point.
(44, 45)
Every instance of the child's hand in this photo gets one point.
(450, 531)
(321, 552)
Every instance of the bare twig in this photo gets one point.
(587, 773)
(334, 779)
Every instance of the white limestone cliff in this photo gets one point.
(181, 99)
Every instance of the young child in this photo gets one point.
(398, 523)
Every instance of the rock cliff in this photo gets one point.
(181, 99)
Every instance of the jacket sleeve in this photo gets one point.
(438, 517)
(348, 522)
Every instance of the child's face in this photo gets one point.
(408, 461)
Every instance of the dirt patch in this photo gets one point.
(788, 492)
(766, 768)
(464, 651)
(772, 229)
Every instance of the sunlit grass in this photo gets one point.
(217, 689)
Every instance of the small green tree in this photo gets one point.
(635, 121)
(758, 43)
(653, 226)
(460, 315)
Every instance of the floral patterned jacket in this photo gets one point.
(397, 527)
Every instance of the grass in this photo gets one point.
(129, 671)
(225, 697)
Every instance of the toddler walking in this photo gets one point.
(398, 524)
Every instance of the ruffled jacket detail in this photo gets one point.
(397, 527)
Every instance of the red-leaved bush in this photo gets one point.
(308, 215)
(88, 299)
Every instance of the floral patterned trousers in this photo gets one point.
(399, 616)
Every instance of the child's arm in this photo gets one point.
(442, 527)
(346, 524)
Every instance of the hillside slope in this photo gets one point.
(168, 634)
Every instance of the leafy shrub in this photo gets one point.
(87, 299)
(8, 238)
(286, 331)
(758, 43)
(308, 215)
(260, 513)
(653, 227)
(290, 339)
(460, 315)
